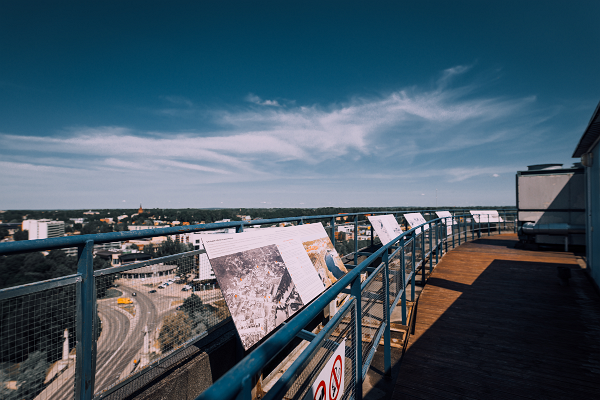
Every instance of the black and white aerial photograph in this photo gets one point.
(258, 289)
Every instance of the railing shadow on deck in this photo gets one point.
(504, 326)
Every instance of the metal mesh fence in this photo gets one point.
(37, 345)
(344, 330)
(372, 298)
(395, 275)
(148, 312)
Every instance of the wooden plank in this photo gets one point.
(493, 322)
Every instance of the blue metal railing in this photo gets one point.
(238, 380)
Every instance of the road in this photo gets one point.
(122, 335)
(111, 361)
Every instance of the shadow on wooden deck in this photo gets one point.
(494, 322)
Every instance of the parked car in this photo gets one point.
(133, 294)
(152, 291)
(161, 286)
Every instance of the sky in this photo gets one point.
(288, 104)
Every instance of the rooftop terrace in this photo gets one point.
(495, 322)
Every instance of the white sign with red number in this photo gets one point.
(329, 385)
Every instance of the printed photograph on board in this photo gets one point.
(258, 289)
(326, 260)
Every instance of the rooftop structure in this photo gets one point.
(43, 228)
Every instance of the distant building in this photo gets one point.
(205, 271)
(140, 210)
(91, 212)
(142, 227)
(77, 220)
(44, 228)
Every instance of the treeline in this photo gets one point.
(192, 319)
(19, 269)
(192, 215)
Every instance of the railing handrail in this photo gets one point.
(24, 246)
(236, 379)
(230, 384)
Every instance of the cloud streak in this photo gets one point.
(267, 141)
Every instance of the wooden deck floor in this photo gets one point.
(494, 322)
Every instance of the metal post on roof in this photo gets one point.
(430, 249)
(355, 290)
(414, 271)
(85, 361)
(387, 336)
(355, 240)
(403, 276)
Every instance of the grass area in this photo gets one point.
(111, 293)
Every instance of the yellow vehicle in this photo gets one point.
(124, 300)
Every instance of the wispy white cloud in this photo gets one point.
(252, 98)
(400, 130)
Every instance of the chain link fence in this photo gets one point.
(148, 311)
(38, 339)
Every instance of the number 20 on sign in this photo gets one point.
(329, 384)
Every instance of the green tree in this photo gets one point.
(175, 331)
(200, 314)
(21, 235)
(32, 373)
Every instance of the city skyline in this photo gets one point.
(231, 105)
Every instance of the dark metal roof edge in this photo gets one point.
(590, 135)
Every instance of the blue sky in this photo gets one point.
(288, 104)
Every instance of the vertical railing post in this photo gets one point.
(414, 269)
(301, 222)
(332, 223)
(422, 255)
(445, 236)
(355, 239)
(467, 229)
(453, 223)
(430, 249)
(403, 286)
(489, 234)
(85, 365)
(240, 228)
(473, 228)
(356, 292)
(372, 235)
(458, 229)
(387, 336)
(441, 238)
(437, 243)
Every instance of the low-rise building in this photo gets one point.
(43, 228)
